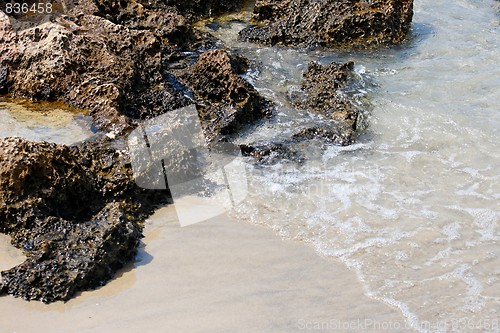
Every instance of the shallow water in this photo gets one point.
(54, 125)
(413, 207)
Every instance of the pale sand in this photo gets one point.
(216, 276)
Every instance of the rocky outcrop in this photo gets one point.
(322, 93)
(321, 86)
(193, 9)
(74, 211)
(94, 64)
(225, 101)
(115, 60)
(330, 23)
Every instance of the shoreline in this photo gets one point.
(216, 276)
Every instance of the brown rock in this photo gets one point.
(320, 86)
(74, 211)
(108, 60)
(330, 23)
(226, 101)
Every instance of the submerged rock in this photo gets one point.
(321, 93)
(270, 153)
(330, 23)
(225, 100)
(321, 85)
(75, 212)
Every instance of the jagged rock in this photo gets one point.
(93, 64)
(113, 59)
(330, 23)
(319, 94)
(320, 86)
(205, 8)
(65, 257)
(226, 101)
(74, 211)
(131, 10)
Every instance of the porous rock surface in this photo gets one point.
(330, 23)
(321, 85)
(92, 63)
(76, 212)
(225, 101)
(111, 58)
(321, 93)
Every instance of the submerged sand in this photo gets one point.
(216, 276)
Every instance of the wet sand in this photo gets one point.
(216, 276)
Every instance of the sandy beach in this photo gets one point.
(216, 276)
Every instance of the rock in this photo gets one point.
(94, 64)
(321, 86)
(191, 9)
(270, 153)
(320, 93)
(4, 73)
(74, 211)
(329, 134)
(163, 20)
(194, 9)
(330, 23)
(8, 41)
(114, 59)
(64, 257)
(226, 102)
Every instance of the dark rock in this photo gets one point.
(163, 20)
(321, 93)
(194, 9)
(225, 101)
(330, 23)
(270, 153)
(321, 86)
(65, 257)
(74, 211)
(4, 72)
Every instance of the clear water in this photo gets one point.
(56, 125)
(413, 207)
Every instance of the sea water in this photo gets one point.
(413, 206)
(48, 124)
